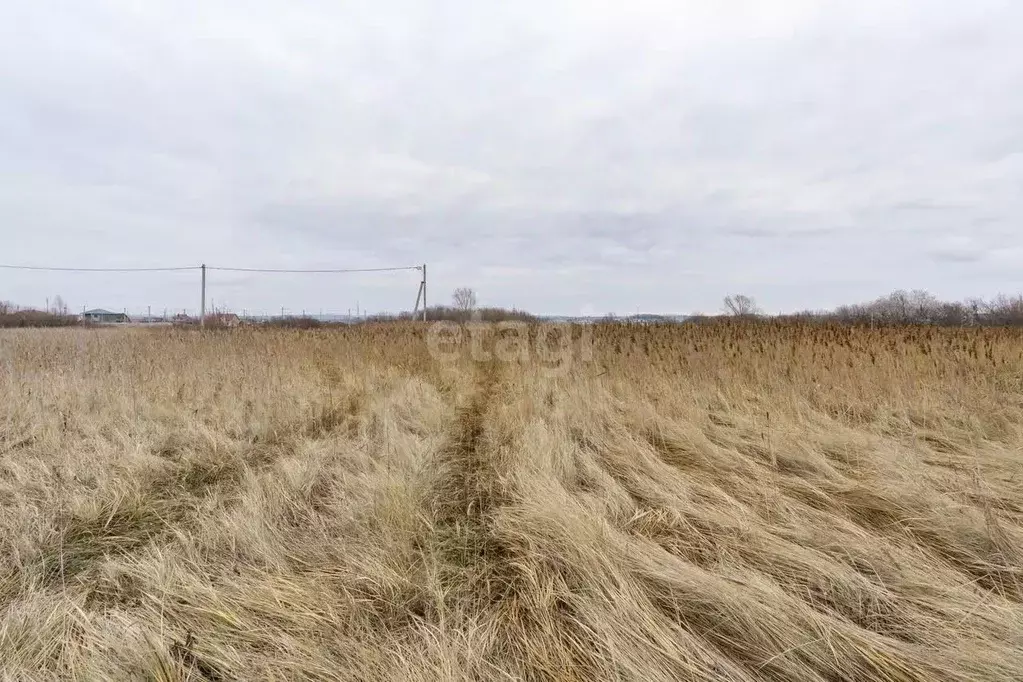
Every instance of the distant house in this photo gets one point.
(223, 320)
(648, 319)
(100, 316)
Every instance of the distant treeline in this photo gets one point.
(434, 314)
(921, 307)
(898, 308)
(11, 316)
(451, 314)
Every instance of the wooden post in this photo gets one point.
(202, 307)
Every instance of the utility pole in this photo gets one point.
(421, 295)
(202, 309)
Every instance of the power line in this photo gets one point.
(46, 269)
(209, 267)
(412, 267)
(203, 268)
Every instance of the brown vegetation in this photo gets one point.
(455, 314)
(728, 501)
(12, 316)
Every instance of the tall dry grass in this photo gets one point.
(729, 502)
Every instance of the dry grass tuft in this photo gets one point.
(721, 502)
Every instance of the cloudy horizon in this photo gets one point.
(561, 157)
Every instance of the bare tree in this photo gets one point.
(464, 299)
(741, 305)
(59, 306)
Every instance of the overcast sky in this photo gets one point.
(563, 156)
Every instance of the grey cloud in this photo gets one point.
(555, 156)
(959, 248)
(949, 255)
(797, 228)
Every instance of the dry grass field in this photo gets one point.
(722, 502)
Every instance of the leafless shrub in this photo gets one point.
(740, 305)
